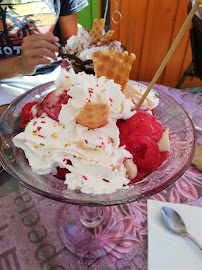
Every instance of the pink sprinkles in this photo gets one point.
(84, 177)
(133, 102)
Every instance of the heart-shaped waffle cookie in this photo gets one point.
(93, 115)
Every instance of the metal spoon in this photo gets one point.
(173, 221)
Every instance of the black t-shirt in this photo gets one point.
(19, 18)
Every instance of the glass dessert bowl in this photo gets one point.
(85, 214)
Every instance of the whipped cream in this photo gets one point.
(80, 42)
(112, 45)
(136, 90)
(88, 88)
(93, 157)
(82, 45)
(46, 146)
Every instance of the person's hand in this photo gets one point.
(35, 50)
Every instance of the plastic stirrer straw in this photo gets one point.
(106, 7)
(170, 52)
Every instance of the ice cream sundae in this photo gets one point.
(87, 132)
(79, 48)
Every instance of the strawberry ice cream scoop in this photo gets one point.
(49, 106)
(140, 134)
(26, 114)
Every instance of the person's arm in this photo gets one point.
(68, 26)
(35, 49)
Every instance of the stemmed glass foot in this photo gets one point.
(91, 232)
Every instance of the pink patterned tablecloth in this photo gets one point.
(29, 236)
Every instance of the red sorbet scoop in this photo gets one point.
(140, 135)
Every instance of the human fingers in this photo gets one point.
(39, 52)
(37, 61)
(39, 43)
(28, 64)
(35, 51)
(50, 33)
(49, 37)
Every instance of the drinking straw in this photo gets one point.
(106, 7)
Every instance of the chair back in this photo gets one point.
(196, 43)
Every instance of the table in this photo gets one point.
(29, 236)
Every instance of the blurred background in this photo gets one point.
(148, 28)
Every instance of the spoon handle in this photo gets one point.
(194, 240)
